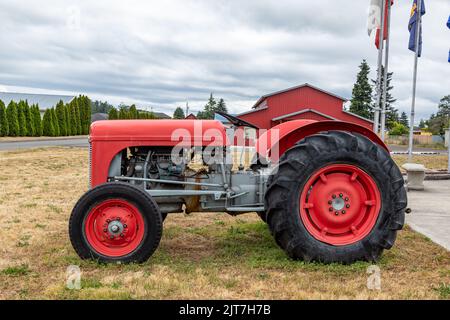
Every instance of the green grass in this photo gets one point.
(17, 271)
(444, 291)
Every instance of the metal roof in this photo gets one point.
(294, 88)
(45, 101)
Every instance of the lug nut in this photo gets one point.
(341, 195)
(118, 218)
(331, 209)
(347, 206)
(112, 237)
(336, 213)
(334, 196)
(330, 202)
(108, 220)
(346, 199)
(125, 226)
(121, 235)
(105, 230)
(343, 211)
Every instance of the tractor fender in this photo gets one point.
(276, 141)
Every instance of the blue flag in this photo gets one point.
(412, 26)
(448, 25)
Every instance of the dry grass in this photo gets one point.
(200, 256)
(432, 162)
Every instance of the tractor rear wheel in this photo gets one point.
(336, 197)
(115, 222)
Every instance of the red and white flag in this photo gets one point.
(374, 20)
(386, 31)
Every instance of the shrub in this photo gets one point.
(13, 119)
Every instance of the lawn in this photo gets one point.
(431, 162)
(200, 256)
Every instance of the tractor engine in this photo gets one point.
(188, 183)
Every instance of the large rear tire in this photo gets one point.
(115, 222)
(336, 197)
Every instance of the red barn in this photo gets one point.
(301, 102)
(191, 117)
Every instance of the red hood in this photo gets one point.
(160, 132)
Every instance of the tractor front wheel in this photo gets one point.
(115, 222)
(336, 197)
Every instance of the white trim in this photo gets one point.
(301, 112)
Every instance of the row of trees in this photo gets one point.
(21, 120)
(363, 103)
(129, 112)
(124, 112)
(364, 99)
(211, 107)
(439, 121)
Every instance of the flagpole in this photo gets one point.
(386, 70)
(376, 118)
(413, 104)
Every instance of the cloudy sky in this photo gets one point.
(160, 53)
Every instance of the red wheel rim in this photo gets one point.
(114, 228)
(340, 204)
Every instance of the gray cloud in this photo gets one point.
(160, 53)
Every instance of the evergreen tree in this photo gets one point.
(78, 119)
(209, 109)
(55, 122)
(221, 106)
(47, 124)
(29, 120)
(87, 114)
(392, 115)
(422, 124)
(74, 117)
(4, 128)
(22, 119)
(441, 120)
(100, 107)
(37, 120)
(132, 112)
(179, 113)
(123, 113)
(113, 115)
(404, 119)
(69, 120)
(13, 119)
(61, 117)
(362, 93)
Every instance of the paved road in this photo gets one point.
(431, 211)
(396, 148)
(73, 142)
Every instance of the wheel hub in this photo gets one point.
(114, 228)
(339, 204)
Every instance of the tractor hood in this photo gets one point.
(160, 132)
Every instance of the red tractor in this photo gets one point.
(329, 191)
